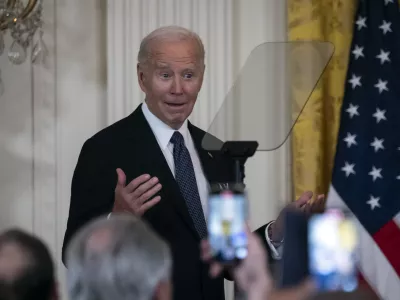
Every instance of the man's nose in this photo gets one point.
(176, 88)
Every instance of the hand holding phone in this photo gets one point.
(332, 245)
(227, 223)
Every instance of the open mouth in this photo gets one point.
(175, 104)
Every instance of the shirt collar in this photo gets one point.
(162, 131)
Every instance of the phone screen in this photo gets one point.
(227, 215)
(332, 240)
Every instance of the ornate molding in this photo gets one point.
(44, 137)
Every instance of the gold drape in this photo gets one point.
(315, 133)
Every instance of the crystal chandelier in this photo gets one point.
(22, 19)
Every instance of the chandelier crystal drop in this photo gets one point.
(22, 20)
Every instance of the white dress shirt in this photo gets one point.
(163, 134)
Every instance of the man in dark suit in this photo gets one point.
(151, 163)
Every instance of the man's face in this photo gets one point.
(171, 80)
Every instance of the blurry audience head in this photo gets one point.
(26, 267)
(118, 258)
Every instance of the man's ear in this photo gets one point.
(203, 69)
(141, 77)
(202, 74)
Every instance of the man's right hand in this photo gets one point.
(135, 196)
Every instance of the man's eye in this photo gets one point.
(188, 75)
(164, 75)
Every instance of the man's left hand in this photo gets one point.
(305, 204)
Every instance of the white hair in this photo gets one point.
(169, 33)
(129, 264)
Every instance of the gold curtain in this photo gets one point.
(315, 133)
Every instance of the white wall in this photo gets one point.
(47, 112)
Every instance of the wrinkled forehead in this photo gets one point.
(167, 54)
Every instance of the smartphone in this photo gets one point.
(226, 222)
(332, 251)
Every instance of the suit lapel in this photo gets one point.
(155, 164)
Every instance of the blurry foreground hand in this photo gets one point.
(252, 275)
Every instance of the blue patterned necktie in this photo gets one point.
(186, 179)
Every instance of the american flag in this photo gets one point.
(366, 175)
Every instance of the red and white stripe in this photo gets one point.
(379, 265)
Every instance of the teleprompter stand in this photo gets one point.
(239, 151)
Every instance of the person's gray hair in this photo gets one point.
(128, 261)
(169, 33)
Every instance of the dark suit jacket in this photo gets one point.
(130, 144)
